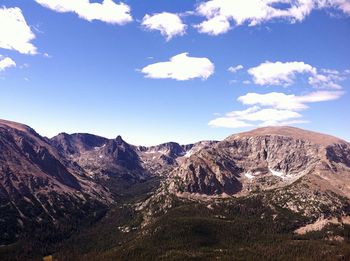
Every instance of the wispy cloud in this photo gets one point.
(46, 55)
(234, 69)
(253, 116)
(272, 109)
(293, 102)
(220, 14)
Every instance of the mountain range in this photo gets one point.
(270, 193)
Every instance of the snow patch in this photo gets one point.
(252, 175)
(249, 175)
(276, 173)
(97, 148)
(188, 154)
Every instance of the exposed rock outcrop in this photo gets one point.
(265, 158)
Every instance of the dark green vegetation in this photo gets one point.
(92, 219)
(232, 229)
(39, 238)
(241, 229)
(125, 190)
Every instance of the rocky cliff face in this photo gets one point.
(112, 163)
(78, 143)
(339, 153)
(162, 159)
(38, 185)
(262, 159)
(101, 157)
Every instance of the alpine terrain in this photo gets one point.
(270, 193)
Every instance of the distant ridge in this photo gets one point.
(287, 131)
(15, 125)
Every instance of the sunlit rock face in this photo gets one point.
(264, 158)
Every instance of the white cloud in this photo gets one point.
(272, 109)
(46, 55)
(220, 13)
(181, 67)
(284, 74)
(289, 102)
(282, 123)
(343, 5)
(168, 24)
(254, 116)
(320, 96)
(229, 122)
(328, 80)
(6, 63)
(234, 69)
(15, 34)
(214, 26)
(279, 73)
(241, 114)
(107, 11)
(274, 99)
(265, 115)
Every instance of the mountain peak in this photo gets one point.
(293, 132)
(119, 139)
(15, 125)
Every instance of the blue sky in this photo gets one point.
(87, 67)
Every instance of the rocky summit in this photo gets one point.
(264, 192)
(264, 159)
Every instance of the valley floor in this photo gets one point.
(232, 229)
